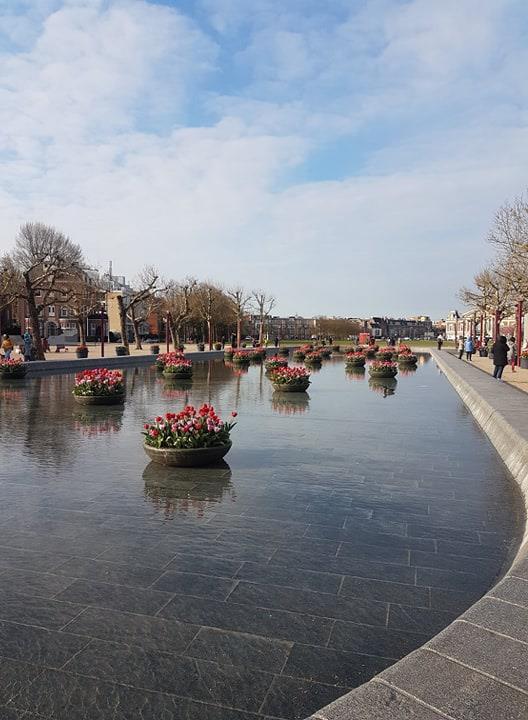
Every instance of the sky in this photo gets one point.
(346, 156)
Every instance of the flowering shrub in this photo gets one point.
(276, 361)
(164, 358)
(178, 366)
(403, 349)
(99, 382)
(383, 368)
(355, 359)
(290, 376)
(308, 347)
(354, 354)
(14, 367)
(190, 428)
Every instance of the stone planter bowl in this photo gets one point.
(17, 375)
(355, 363)
(317, 362)
(291, 387)
(386, 373)
(406, 360)
(192, 457)
(115, 399)
(182, 375)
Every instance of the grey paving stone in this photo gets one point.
(36, 610)
(417, 619)
(380, 642)
(376, 701)
(385, 591)
(122, 574)
(506, 618)
(227, 647)
(204, 565)
(433, 679)
(34, 583)
(334, 667)
(115, 597)
(294, 699)
(513, 590)
(194, 584)
(486, 651)
(37, 645)
(290, 577)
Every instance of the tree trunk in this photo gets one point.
(81, 327)
(122, 321)
(34, 317)
(137, 337)
(261, 330)
(239, 323)
(209, 334)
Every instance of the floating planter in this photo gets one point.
(284, 352)
(178, 369)
(258, 354)
(99, 387)
(290, 379)
(370, 351)
(314, 358)
(355, 359)
(383, 369)
(299, 355)
(385, 354)
(242, 357)
(325, 352)
(164, 358)
(407, 358)
(190, 438)
(228, 355)
(274, 362)
(13, 369)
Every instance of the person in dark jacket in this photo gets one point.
(500, 356)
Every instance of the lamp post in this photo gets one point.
(101, 312)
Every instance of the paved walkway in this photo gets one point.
(517, 378)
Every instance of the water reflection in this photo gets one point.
(91, 422)
(355, 373)
(290, 403)
(383, 386)
(406, 371)
(189, 491)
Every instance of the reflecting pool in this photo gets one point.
(344, 529)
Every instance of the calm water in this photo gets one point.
(346, 528)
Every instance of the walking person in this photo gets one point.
(513, 353)
(460, 347)
(500, 356)
(469, 348)
(28, 345)
(276, 341)
(440, 341)
(7, 346)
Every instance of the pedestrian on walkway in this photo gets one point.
(469, 347)
(28, 345)
(7, 346)
(500, 356)
(460, 347)
(440, 341)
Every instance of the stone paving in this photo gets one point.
(337, 540)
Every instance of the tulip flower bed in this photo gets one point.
(258, 353)
(313, 358)
(384, 354)
(288, 379)
(275, 362)
(178, 368)
(164, 358)
(407, 358)
(242, 357)
(13, 369)
(370, 351)
(99, 387)
(299, 355)
(355, 359)
(383, 369)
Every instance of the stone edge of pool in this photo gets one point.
(480, 660)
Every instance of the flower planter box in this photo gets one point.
(292, 387)
(82, 353)
(114, 399)
(184, 374)
(192, 457)
(385, 373)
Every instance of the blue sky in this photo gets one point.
(347, 156)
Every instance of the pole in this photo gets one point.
(102, 333)
(519, 330)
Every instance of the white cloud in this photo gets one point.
(124, 123)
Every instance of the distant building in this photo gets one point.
(413, 328)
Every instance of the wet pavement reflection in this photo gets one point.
(347, 526)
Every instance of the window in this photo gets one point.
(64, 312)
(51, 310)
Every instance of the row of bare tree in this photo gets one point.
(45, 267)
(499, 286)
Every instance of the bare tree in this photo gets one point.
(492, 293)
(85, 297)
(264, 304)
(177, 304)
(510, 231)
(41, 266)
(209, 300)
(239, 302)
(134, 306)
